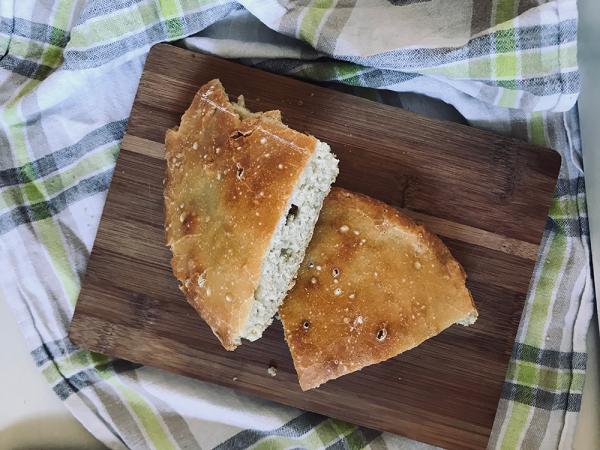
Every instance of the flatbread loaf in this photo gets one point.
(373, 284)
(242, 194)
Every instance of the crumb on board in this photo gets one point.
(272, 370)
(235, 378)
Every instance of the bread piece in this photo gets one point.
(242, 195)
(373, 284)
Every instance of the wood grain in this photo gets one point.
(486, 195)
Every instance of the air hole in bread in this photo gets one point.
(286, 253)
(239, 133)
(240, 172)
(291, 215)
(381, 334)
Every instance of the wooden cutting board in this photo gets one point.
(487, 196)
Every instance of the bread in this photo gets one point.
(373, 284)
(242, 196)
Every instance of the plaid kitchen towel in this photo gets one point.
(68, 74)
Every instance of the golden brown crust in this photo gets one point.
(228, 182)
(372, 285)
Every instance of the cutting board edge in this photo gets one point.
(259, 394)
(549, 152)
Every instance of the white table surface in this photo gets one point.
(588, 436)
(589, 112)
(27, 403)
